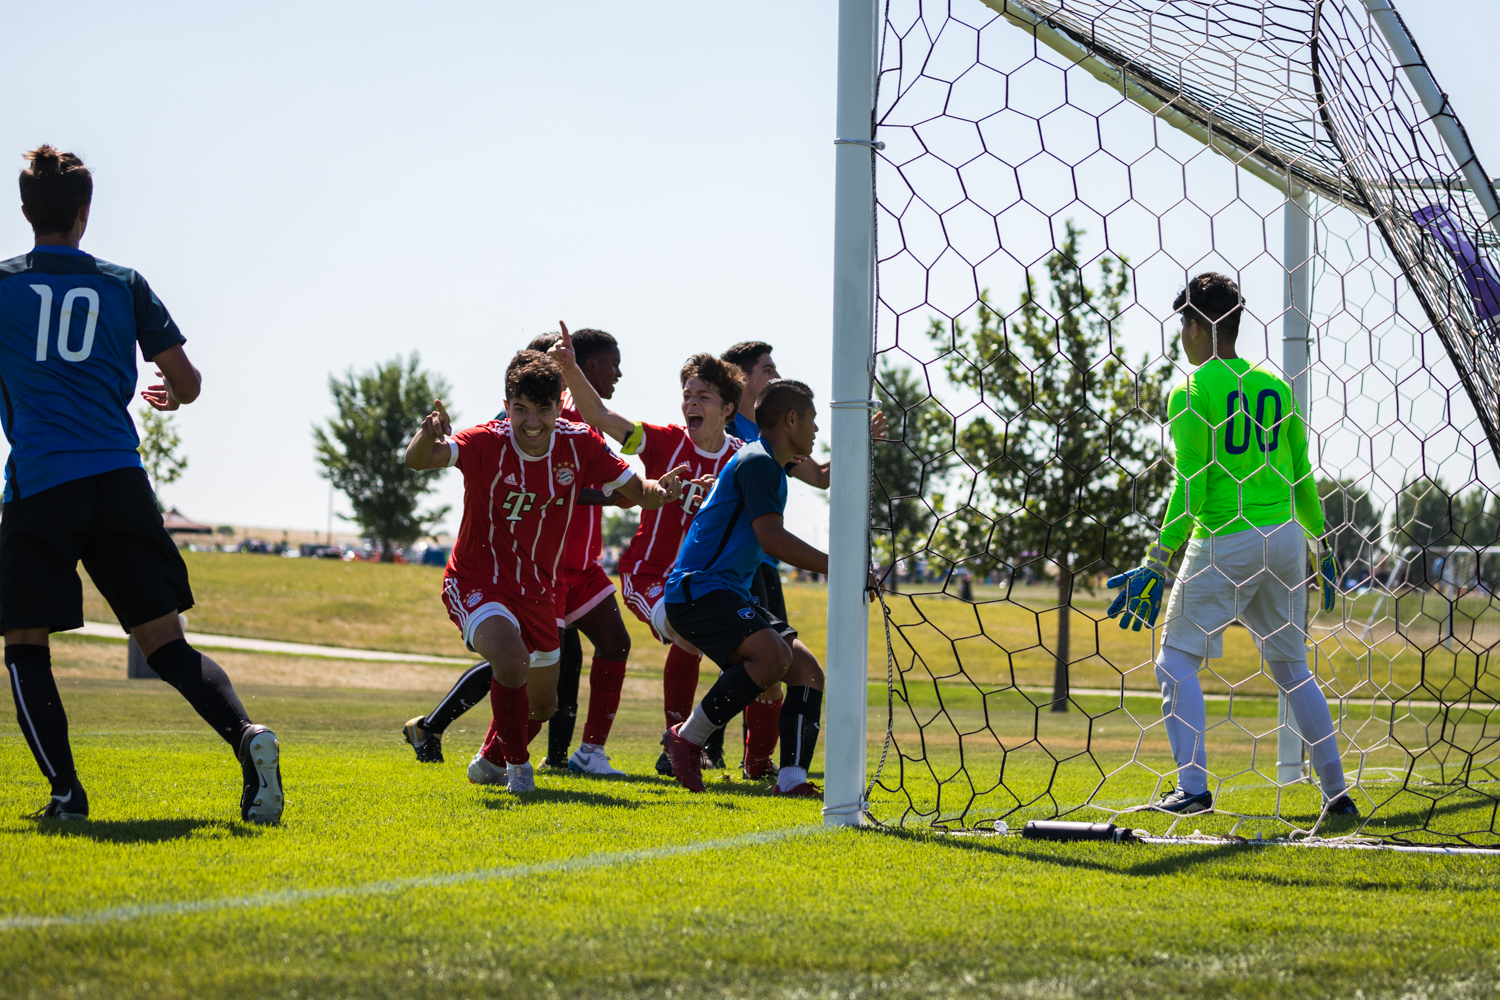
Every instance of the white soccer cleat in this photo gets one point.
(593, 761)
(519, 778)
(482, 772)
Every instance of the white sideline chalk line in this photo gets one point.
(205, 640)
(287, 896)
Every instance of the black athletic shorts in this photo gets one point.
(718, 621)
(111, 523)
(766, 588)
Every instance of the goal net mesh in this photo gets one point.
(1052, 174)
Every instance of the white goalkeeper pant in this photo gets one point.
(1258, 577)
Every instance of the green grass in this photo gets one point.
(639, 889)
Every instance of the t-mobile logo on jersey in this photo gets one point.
(691, 497)
(517, 503)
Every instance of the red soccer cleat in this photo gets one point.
(687, 760)
(806, 790)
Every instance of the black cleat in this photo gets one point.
(664, 765)
(74, 805)
(760, 770)
(1179, 801)
(429, 746)
(260, 763)
(1341, 806)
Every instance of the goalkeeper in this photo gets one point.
(1242, 474)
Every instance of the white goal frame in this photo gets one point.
(854, 340)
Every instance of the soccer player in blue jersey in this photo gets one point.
(710, 602)
(75, 489)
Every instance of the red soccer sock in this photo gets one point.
(762, 728)
(506, 741)
(533, 726)
(606, 678)
(679, 684)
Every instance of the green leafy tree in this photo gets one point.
(914, 458)
(160, 450)
(1424, 520)
(1071, 460)
(361, 450)
(1352, 524)
(620, 526)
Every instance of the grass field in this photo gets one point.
(394, 879)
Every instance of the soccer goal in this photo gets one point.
(1022, 190)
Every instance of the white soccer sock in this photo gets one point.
(1186, 718)
(697, 729)
(1309, 706)
(790, 777)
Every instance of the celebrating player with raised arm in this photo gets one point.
(1244, 490)
(709, 388)
(709, 601)
(521, 475)
(585, 601)
(75, 489)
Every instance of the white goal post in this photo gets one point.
(1059, 25)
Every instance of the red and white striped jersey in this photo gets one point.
(662, 448)
(518, 508)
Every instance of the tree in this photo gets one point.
(916, 455)
(620, 526)
(1424, 519)
(1352, 524)
(1071, 457)
(361, 450)
(159, 451)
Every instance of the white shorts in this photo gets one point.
(1258, 577)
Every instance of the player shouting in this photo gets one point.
(709, 601)
(521, 475)
(75, 489)
(1244, 490)
(709, 390)
(585, 601)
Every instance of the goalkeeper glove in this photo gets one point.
(1328, 575)
(1141, 598)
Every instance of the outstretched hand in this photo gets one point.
(879, 426)
(671, 483)
(159, 396)
(436, 424)
(562, 351)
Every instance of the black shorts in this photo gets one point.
(111, 523)
(766, 588)
(718, 621)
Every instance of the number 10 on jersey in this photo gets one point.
(44, 323)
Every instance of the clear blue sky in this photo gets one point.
(312, 187)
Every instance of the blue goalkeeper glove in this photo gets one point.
(1141, 599)
(1328, 573)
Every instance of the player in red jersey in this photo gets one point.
(521, 481)
(585, 597)
(709, 388)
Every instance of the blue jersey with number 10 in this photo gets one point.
(69, 324)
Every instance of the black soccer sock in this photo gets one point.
(206, 687)
(799, 725)
(713, 747)
(39, 710)
(560, 726)
(728, 697)
(472, 688)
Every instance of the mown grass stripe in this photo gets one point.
(286, 897)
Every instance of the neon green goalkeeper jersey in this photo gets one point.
(1241, 455)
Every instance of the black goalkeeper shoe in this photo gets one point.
(1179, 801)
(260, 764)
(428, 745)
(74, 805)
(1341, 806)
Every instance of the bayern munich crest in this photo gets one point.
(564, 475)
(473, 599)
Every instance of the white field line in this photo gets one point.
(205, 640)
(286, 897)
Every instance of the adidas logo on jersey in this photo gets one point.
(510, 479)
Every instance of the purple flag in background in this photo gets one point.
(1479, 275)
